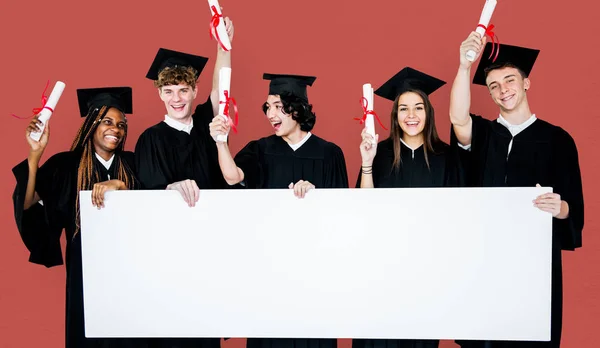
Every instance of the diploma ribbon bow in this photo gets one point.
(214, 23)
(364, 103)
(38, 110)
(489, 31)
(230, 122)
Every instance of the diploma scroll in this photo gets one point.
(218, 25)
(48, 108)
(484, 21)
(224, 95)
(369, 121)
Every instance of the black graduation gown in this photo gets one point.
(271, 163)
(165, 155)
(41, 227)
(541, 154)
(413, 172)
(443, 169)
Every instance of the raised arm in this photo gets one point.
(460, 96)
(223, 61)
(36, 149)
(368, 150)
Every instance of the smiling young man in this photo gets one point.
(178, 153)
(519, 150)
(292, 157)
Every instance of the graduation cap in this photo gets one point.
(115, 97)
(521, 57)
(289, 84)
(408, 79)
(167, 59)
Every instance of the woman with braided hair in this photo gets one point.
(46, 200)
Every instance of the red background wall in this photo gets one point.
(110, 43)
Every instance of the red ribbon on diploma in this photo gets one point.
(489, 31)
(364, 103)
(230, 122)
(214, 22)
(38, 110)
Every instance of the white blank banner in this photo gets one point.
(365, 263)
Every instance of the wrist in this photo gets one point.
(564, 210)
(34, 157)
(222, 145)
(462, 69)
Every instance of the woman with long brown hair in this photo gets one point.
(46, 199)
(413, 155)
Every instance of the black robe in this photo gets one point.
(271, 163)
(540, 154)
(41, 226)
(165, 155)
(443, 169)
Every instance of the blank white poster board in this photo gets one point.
(470, 263)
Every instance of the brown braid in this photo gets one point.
(84, 143)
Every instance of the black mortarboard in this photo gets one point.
(116, 97)
(168, 58)
(407, 79)
(289, 84)
(521, 57)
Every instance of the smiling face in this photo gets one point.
(411, 114)
(178, 100)
(283, 124)
(110, 131)
(507, 88)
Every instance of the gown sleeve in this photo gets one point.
(336, 175)
(39, 226)
(151, 162)
(567, 179)
(248, 160)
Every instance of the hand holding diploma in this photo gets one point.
(37, 145)
(369, 115)
(44, 112)
(48, 108)
(368, 148)
(473, 43)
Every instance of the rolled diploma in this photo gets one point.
(486, 16)
(224, 85)
(369, 121)
(221, 27)
(45, 114)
